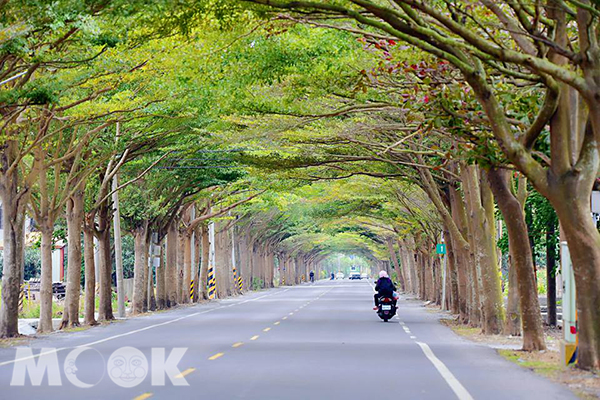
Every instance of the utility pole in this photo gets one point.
(569, 342)
(233, 260)
(118, 243)
(193, 261)
(551, 273)
(211, 253)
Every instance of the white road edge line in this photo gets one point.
(135, 331)
(450, 379)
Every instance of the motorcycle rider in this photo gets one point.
(384, 288)
(312, 276)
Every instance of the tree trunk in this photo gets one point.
(180, 268)
(481, 206)
(452, 292)
(105, 312)
(394, 258)
(461, 255)
(521, 260)
(186, 237)
(584, 246)
(269, 268)
(161, 299)
(405, 267)
(13, 206)
(149, 294)
(244, 262)
(140, 268)
(196, 266)
(513, 311)
(74, 223)
(45, 323)
(90, 274)
(171, 266)
(222, 266)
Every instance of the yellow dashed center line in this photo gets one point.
(238, 344)
(215, 356)
(254, 337)
(266, 329)
(277, 323)
(184, 373)
(143, 396)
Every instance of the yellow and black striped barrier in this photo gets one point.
(212, 283)
(237, 279)
(21, 297)
(192, 290)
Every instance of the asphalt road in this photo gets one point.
(320, 341)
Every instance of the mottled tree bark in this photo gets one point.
(180, 267)
(140, 268)
(481, 207)
(171, 266)
(74, 222)
(196, 264)
(513, 311)
(14, 201)
(89, 317)
(45, 323)
(514, 217)
(161, 299)
(105, 312)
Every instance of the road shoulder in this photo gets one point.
(584, 384)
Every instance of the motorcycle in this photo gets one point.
(387, 308)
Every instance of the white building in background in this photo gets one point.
(58, 254)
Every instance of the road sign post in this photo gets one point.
(440, 249)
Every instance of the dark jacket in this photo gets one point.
(385, 287)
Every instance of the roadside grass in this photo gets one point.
(585, 384)
(461, 329)
(31, 310)
(77, 328)
(465, 330)
(16, 341)
(548, 366)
